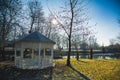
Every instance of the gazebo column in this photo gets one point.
(52, 55)
(15, 56)
(21, 65)
(32, 53)
(44, 57)
(39, 50)
(44, 52)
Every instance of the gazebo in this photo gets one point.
(34, 51)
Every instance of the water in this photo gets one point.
(104, 55)
(95, 56)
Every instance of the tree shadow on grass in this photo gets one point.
(82, 61)
(82, 75)
(8, 72)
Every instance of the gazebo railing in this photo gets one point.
(29, 63)
(46, 62)
(18, 62)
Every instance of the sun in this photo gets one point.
(54, 22)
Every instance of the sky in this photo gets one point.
(105, 14)
(102, 12)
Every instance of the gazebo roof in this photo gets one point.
(35, 37)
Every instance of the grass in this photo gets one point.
(94, 69)
(63, 72)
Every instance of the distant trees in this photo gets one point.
(9, 11)
(92, 45)
(76, 41)
(114, 45)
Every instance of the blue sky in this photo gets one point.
(105, 14)
(102, 12)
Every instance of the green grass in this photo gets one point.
(94, 69)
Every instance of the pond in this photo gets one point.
(95, 56)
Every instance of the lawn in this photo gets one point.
(84, 69)
(93, 69)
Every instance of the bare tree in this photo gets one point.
(9, 9)
(36, 16)
(70, 18)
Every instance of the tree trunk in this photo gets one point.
(69, 53)
(91, 53)
(77, 52)
(3, 53)
(31, 27)
(69, 36)
(103, 50)
(77, 56)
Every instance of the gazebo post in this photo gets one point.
(52, 54)
(39, 57)
(44, 53)
(15, 56)
(32, 53)
(21, 65)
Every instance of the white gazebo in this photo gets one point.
(34, 51)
